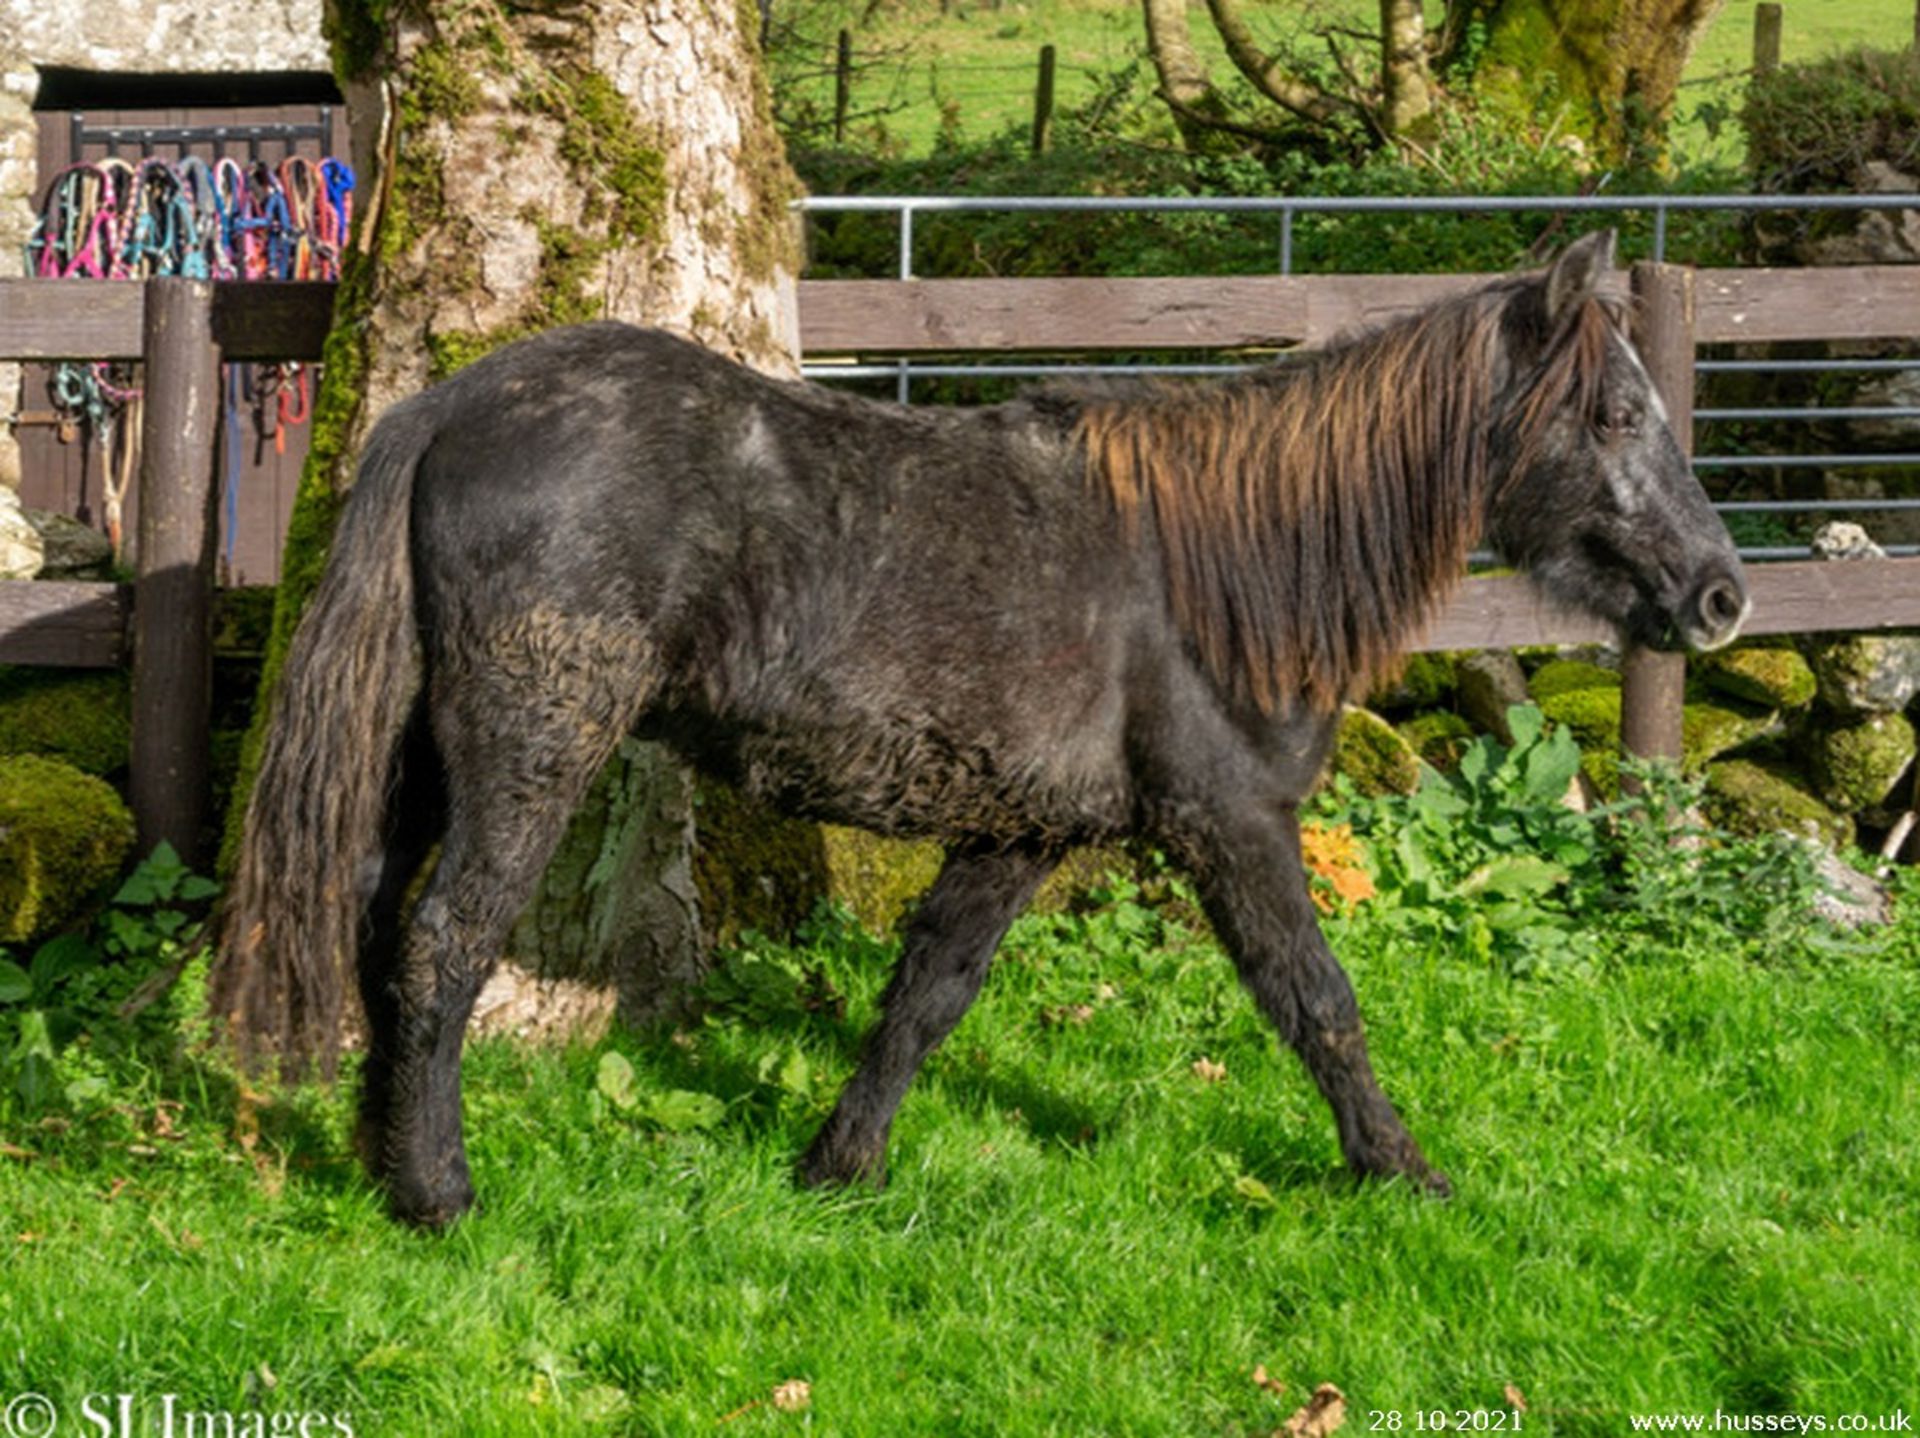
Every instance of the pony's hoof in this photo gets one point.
(432, 1208)
(825, 1166)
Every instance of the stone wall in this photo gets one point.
(133, 37)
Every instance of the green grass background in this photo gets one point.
(982, 58)
(1687, 1182)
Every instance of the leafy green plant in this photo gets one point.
(1677, 874)
(84, 996)
(616, 1089)
(1483, 857)
(1493, 863)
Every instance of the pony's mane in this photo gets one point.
(1311, 516)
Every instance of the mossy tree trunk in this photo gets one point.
(1603, 71)
(522, 167)
(1614, 65)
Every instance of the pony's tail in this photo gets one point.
(314, 821)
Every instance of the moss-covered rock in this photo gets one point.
(1774, 677)
(1489, 683)
(1866, 673)
(1569, 676)
(1374, 758)
(878, 879)
(1440, 737)
(1424, 680)
(63, 834)
(755, 869)
(1746, 797)
(81, 717)
(1708, 730)
(1855, 764)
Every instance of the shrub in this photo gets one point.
(1813, 126)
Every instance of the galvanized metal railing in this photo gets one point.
(1285, 208)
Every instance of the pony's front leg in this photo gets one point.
(949, 946)
(1248, 866)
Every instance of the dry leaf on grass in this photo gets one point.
(1515, 1398)
(1323, 1413)
(793, 1395)
(1207, 1071)
(1262, 1380)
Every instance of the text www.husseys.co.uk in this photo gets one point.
(1721, 1421)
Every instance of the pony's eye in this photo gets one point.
(1621, 422)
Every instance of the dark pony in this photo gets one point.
(1091, 613)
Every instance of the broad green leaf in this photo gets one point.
(14, 983)
(678, 1110)
(1435, 798)
(1476, 761)
(194, 887)
(35, 1036)
(1255, 1193)
(59, 957)
(36, 1082)
(796, 1074)
(1525, 721)
(1551, 766)
(1517, 876)
(614, 1079)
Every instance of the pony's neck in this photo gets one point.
(1311, 517)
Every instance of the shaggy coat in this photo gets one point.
(1086, 614)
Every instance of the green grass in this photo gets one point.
(1685, 1181)
(980, 59)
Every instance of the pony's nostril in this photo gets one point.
(1719, 608)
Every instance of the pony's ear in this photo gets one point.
(1576, 274)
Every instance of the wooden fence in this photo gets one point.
(183, 329)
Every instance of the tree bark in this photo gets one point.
(1617, 63)
(1184, 82)
(1613, 67)
(1406, 84)
(522, 167)
(1267, 74)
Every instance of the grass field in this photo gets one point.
(980, 58)
(1688, 1178)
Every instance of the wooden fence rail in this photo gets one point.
(181, 329)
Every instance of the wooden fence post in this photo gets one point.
(842, 85)
(1766, 37)
(1043, 102)
(1652, 680)
(173, 595)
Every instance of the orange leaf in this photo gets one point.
(1335, 860)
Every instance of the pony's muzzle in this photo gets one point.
(1713, 616)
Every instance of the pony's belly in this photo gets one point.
(915, 782)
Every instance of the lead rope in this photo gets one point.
(108, 219)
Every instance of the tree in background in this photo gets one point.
(1602, 71)
(527, 166)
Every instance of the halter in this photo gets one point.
(110, 220)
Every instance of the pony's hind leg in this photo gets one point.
(520, 733)
(949, 946)
(1247, 863)
(415, 820)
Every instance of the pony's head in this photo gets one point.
(1591, 493)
